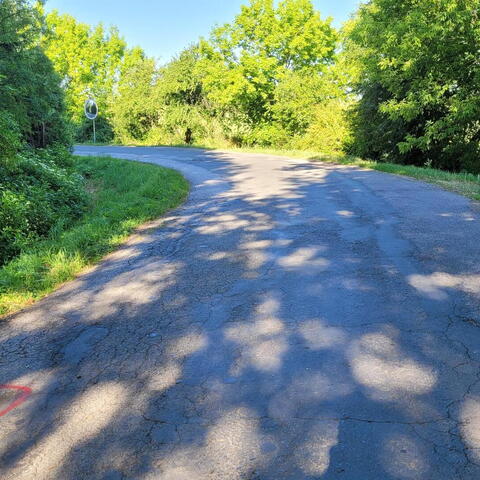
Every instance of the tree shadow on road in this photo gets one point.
(291, 331)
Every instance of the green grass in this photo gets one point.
(124, 195)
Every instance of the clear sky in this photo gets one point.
(164, 27)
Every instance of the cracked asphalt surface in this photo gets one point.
(290, 321)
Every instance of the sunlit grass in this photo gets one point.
(124, 195)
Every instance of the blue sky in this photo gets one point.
(164, 27)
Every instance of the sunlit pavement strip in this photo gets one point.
(290, 321)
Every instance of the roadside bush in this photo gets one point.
(9, 136)
(14, 233)
(329, 130)
(39, 194)
(268, 135)
(103, 130)
(418, 83)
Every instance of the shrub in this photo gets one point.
(9, 136)
(268, 135)
(329, 130)
(39, 193)
(103, 130)
(14, 230)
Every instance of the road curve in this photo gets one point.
(291, 321)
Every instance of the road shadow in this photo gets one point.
(291, 330)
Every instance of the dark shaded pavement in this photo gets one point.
(291, 321)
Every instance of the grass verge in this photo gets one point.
(124, 195)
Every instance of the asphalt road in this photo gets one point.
(291, 321)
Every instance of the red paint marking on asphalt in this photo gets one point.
(18, 401)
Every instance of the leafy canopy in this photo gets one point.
(30, 95)
(243, 62)
(419, 81)
(86, 58)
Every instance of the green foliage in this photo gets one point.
(9, 136)
(158, 105)
(255, 81)
(31, 99)
(126, 194)
(38, 194)
(179, 82)
(134, 108)
(103, 130)
(329, 131)
(87, 60)
(243, 62)
(419, 82)
(295, 97)
(37, 191)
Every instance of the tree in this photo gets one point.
(87, 59)
(134, 107)
(419, 82)
(184, 109)
(179, 81)
(244, 62)
(30, 95)
(257, 80)
(37, 192)
(160, 105)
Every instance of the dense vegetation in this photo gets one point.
(123, 195)
(59, 213)
(418, 81)
(398, 83)
(38, 190)
(269, 78)
(87, 61)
